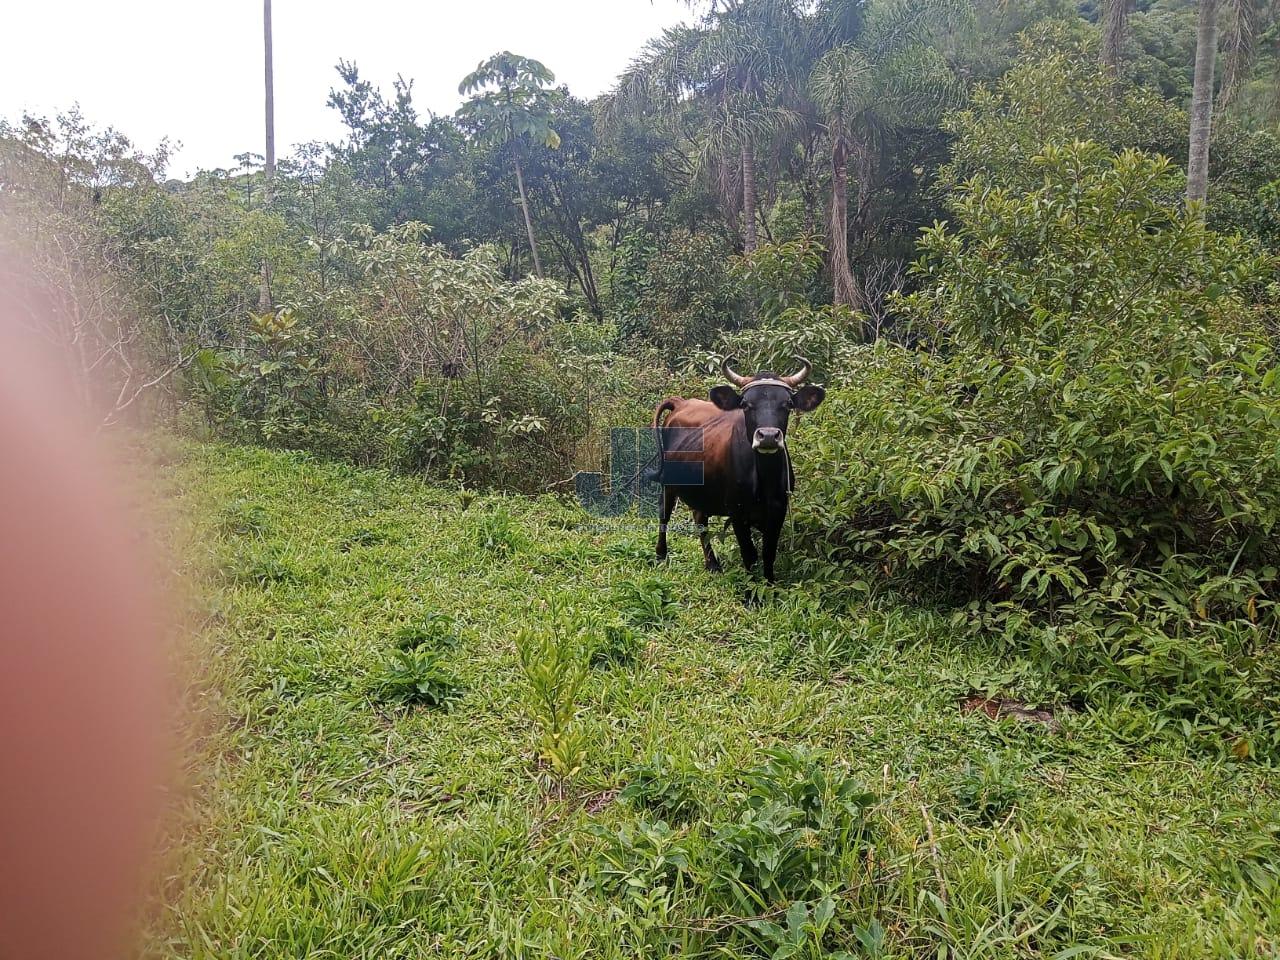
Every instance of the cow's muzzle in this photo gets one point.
(768, 440)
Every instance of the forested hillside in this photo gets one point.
(479, 296)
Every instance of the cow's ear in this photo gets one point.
(808, 398)
(726, 398)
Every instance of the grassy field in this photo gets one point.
(415, 710)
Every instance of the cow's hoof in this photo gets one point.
(713, 566)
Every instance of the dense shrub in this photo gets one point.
(1055, 94)
(675, 293)
(408, 357)
(67, 275)
(780, 283)
(1089, 462)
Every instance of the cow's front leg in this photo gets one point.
(772, 531)
(704, 537)
(742, 530)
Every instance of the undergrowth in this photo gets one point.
(794, 778)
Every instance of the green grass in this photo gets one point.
(369, 772)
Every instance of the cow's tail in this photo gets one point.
(668, 405)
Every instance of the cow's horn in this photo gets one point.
(798, 377)
(737, 379)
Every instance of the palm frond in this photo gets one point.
(841, 84)
(916, 87)
(893, 24)
(1239, 45)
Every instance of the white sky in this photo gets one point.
(192, 71)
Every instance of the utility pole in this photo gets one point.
(264, 289)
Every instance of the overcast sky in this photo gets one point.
(192, 70)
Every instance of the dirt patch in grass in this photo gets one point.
(997, 708)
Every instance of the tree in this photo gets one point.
(264, 290)
(1202, 102)
(748, 57)
(1242, 47)
(839, 86)
(515, 109)
(1115, 27)
(878, 72)
(730, 85)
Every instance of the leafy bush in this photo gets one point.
(648, 867)
(780, 277)
(1054, 94)
(641, 857)
(768, 877)
(271, 392)
(400, 354)
(1089, 462)
(798, 818)
(416, 677)
(799, 934)
(987, 789)
(645, 604)
(662, 786)
(675, 293)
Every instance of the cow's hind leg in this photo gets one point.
(742, 530)
(668, 505)
(704, 537)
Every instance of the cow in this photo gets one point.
(739, 436)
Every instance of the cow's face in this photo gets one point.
(766, 404)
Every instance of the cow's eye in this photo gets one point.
(748, 406)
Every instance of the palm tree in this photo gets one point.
(517, 107)
(1202, 102)
(264, 286)
(878, 73)
(725, 84)
(1241, 50)
(840, 87)
(1241, 41)
(748, 55)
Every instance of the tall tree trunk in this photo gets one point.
(844, 289)
(264, 287)
(751, 230)
(1202, 102)
(1115, 24)
(528, 220)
